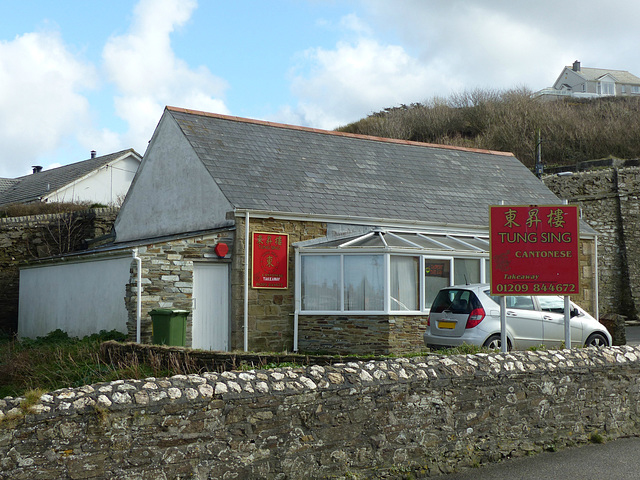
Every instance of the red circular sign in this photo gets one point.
(221, 249)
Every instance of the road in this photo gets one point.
(615, 460)
(633, 335)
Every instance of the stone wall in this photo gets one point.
(362, 334)
(37, 236)
(167, 278)
(270, 310)
(392, 419)
(609, 203)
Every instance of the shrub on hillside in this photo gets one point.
(571, 130)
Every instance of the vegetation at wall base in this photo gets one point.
(59, 361)
(571, 130)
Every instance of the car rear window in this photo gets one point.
(455, 301)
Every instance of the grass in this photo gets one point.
(58, 361)
(463, 349)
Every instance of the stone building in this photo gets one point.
(608, 192)
(277, 237)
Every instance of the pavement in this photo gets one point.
(615, 460)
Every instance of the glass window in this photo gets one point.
(635, 89)
(520, 302)
(607, 88)
(320, 282)
(363, 282)
(466, 270)
(404, 283)
(437, 274)
(487, 271)
(456, 301)
(551, 304)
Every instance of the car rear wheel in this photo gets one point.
(494, 342)
(596, 340)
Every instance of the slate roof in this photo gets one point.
(6, 183)
(594, 74)
(33, 187)
(282, 168)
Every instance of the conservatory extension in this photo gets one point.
(372, 292)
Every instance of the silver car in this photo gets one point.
(469, 314)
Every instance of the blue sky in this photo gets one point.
(82, 75)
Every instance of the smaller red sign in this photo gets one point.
(534, 250)
(270, 257)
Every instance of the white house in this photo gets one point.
(586, 82)
(104, 180)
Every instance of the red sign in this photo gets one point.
(534, 250)
(270, 256)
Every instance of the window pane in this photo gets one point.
(466, 270)
(436, 276)
(404, 283)
(520, 302)
(363, 282)
(551, 304)
(320, 282)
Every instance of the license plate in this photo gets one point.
(449, 325)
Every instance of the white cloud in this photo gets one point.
(413, 50)
(41, 99)
(148, 75)
(340, 85)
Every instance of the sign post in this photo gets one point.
(534, 251)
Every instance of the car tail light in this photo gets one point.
(428, 320)
(475, 317)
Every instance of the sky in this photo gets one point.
(82, 75)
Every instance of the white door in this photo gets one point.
(210, 329)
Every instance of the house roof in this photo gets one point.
(271, 167)
(6, 183)
(29, 188)
(594, 74)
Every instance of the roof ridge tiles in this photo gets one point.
(330, 132)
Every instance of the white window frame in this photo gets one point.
(609, 86)
(422, 258)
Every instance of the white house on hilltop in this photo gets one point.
(584, 82)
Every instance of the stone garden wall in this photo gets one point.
(392, 419)
(38, 236)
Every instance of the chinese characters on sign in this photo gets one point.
(534, 249)
(270, 255)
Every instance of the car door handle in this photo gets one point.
(511, 314)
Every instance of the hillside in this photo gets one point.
(571, 130)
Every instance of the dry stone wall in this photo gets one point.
(609, 201)
(37, 236)
(392, 419)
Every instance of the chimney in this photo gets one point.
(93, 154)
(576, 66)
(36, 168)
